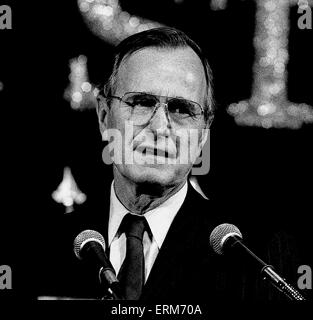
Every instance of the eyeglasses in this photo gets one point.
(142, 107)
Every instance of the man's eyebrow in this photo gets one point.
(179, 97)
(149, 92)
(168, 96)
(141, 92)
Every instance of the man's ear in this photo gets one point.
(206, 131)
(102, 112)
(204, 136)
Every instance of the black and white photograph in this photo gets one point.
(157, 155)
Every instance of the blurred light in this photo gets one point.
(270, 5)
(77, 97)
(268, 105)
(103, 10)
(107, 20)
(124, 17)
(266, 123)
(143, 27)
(279, 67)
(107, 25)
(96, 92)
(1, 86)
(108, 11)
(265, 109)
(134, 22)
(68, 192)
(82, 59)
(303, 4)
(113, 3)
(239, 107)
(84, 7)
(218, 4)
(86, 86)
(79, 91)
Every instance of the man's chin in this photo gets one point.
(162, 175)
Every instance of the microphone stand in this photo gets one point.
(281, 284)
(108, 280)
(268, 273)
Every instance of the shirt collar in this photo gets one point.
(159, 219)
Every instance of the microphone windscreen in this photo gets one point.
(85, 237)
(220, 234)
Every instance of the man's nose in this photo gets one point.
(160, 119)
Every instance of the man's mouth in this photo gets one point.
(148, 150)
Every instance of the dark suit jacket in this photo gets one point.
(186, 269)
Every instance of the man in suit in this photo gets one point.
(157, 106)
(159, 99)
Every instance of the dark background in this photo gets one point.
(263, 176)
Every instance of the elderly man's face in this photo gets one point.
(153, 152)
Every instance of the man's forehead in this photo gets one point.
(182, 60)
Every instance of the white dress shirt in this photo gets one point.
(159, 220)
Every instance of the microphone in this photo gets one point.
(227, 237)
(89, 245)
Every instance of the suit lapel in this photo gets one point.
(178, 242)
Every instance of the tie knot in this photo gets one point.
(134, 226)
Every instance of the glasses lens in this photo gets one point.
(140, 100)
(184, 109)
(142, 106)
